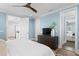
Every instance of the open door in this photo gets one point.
(68, 29)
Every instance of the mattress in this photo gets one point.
(27, 48)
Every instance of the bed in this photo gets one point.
(27, 48)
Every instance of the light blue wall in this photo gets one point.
(48, 19)
(2, 26)
(78, 27)
(31, 28)
(55, 17)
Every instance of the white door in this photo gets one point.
(70, 28)
(11, 27)
(67, 16)
(22, 28)
(17, 27)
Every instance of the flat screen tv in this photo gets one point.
(46, 31)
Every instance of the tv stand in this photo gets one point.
(49, 41)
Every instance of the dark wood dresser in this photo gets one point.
(50, 41)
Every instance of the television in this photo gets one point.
(46, 31)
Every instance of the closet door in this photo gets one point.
(22, 28)
(17, 27)
(11, 27)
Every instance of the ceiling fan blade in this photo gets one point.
(17, 6)
(28, 4)
(32, 9)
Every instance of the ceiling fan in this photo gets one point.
(28, 5)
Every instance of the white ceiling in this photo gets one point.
(40, 7)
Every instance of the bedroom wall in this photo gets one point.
(37, 28)
(78, 27)
(31, 27)
(2, 26)
(45, 21)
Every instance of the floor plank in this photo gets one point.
(63, 52)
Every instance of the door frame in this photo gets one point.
(60, 37)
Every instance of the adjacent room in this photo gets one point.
(39, 29)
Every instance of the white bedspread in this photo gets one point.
(27, 48)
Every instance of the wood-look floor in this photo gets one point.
(58, 52)
(3, 50)
(69, 45)
(63, 52)
(66, 50)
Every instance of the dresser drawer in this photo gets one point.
(49, 41)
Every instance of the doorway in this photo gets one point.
(17, 27)
(68, 29)
(11, 27)
(22, 28)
